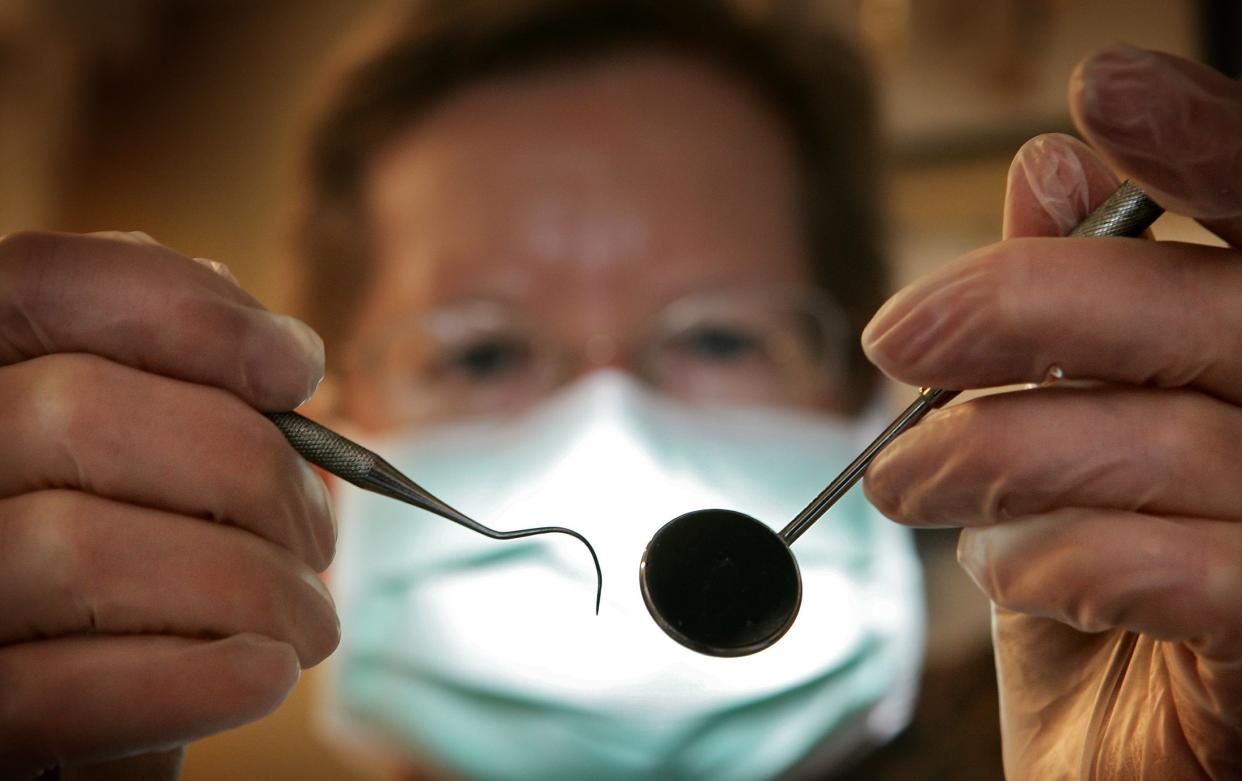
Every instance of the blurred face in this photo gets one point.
(638, 213)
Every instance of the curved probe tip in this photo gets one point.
(599, 571)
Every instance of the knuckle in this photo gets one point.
(1179, 434)
(62, 396)
(1000, 285)
(26, 259)
(24, 246)
(48, 536)
(228, 324)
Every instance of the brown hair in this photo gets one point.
(812, 81)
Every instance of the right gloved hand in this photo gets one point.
(159, 538)
(1103, 519)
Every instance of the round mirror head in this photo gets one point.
(720, 582)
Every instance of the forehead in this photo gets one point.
(642, 176)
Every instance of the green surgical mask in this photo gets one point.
(486, 658)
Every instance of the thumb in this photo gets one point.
(1172, 125)
(1055, 181)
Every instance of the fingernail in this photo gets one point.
(902, 328)
(142, 237)
(309, 343)
(262, 673)
(880, 322)
(219, 268)
(320, 502)
(1118, 87)
(314, 581)
(888, 315)
(972, 554)
(1056, 179)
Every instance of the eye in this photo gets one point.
(720, 343)
(489, 359)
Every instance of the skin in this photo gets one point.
(575, 216)
(158, 538)
(1103, 521)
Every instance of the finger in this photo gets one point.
(156, 766)
(75, 563)
(83, 422)
(139, 237)
(1054, 182)
(1030, 452)
(1170, 579)
(86, 699)
(133, 237)
(151, 308)
(1173, 125)
(1121, 310)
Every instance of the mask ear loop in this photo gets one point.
(355, 464)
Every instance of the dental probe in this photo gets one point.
(355, 464)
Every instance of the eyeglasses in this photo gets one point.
(485, 357)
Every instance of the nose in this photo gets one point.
(601, 351)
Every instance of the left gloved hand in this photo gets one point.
(1103, 520)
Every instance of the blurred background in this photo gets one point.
(181, 118)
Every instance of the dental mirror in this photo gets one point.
(725, 584)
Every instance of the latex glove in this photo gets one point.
(159, 539)
(1104, 522)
